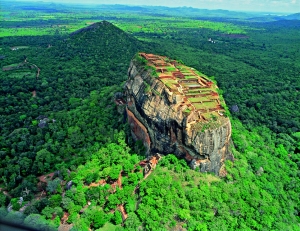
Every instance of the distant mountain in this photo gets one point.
(292, 16)
(103, 41)
(104, 29)
(98, 28)
(273, 17)
(188, 12)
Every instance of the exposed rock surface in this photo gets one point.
(167, 122)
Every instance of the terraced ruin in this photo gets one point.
(175, 109)
(195, 91)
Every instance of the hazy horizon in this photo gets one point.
(276, 6)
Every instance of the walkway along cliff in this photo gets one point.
(175, 109)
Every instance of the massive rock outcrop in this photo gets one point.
(175, 109)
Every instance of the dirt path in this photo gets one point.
(100, 182)
(65, 218)
(46, 177)
(123, 212)
(37, 74)
(152, 162)
(119, 181)
(38, 70)
(24, 207)
(138, 185)
(5, 193)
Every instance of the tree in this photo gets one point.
(52, 185)
(115, 172)
(16, 204)
(38, 222)
(55, 200)
(3, 200)
(197, 226)
(43, 160)
(80, 225)
(47, 212)
(25, 164)
(100, 218)
(66, 202)
(58, 211)
(184, 214)
(113, 201)
(15, 217)
(132, 222)
(117, 218)
(31, 209)
(3, 212)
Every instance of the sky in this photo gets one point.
(289, 6)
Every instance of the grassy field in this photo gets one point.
(66, 21)
(198, 99)
(190, 77)
(203, 90)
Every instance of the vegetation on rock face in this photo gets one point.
(178, 112)
(64, 121)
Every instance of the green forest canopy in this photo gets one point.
(65, 120)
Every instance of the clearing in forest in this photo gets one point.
(18, 47)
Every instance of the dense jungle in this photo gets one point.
(67, 155)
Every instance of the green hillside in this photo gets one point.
(59, 123)
(73, 98)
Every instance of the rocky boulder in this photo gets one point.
(175, 109)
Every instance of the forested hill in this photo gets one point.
(98, 27)
(58, 117)
(104, 41)
(52, 119)
(101, 46)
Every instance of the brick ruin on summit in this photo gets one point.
(173, 108)
(197, 91)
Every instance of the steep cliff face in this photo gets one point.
(175, 109)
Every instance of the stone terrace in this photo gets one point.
(197, 91)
